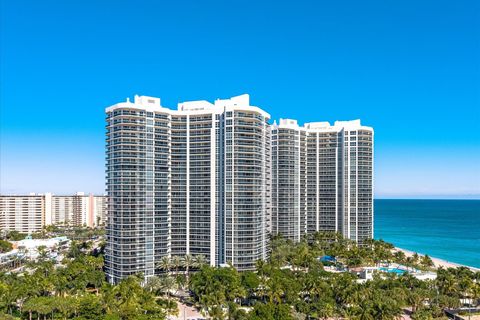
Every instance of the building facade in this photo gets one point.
(215, 179)
(31, 213)
(195, 181)
(323, 179)
(289, 178)
(79, 209)
(25, 214)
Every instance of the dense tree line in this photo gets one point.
(293, 284)
(78, 233)
(5, 246)
(76, 290)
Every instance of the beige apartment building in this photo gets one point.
(30, 213)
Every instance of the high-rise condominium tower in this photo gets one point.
(322, 179)
(190, 181)
(289, 197)
(215, 179)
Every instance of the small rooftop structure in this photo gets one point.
(239, 101)
(317, 125)
(286, 123)
(364, 273)
(147, 101)
(194, 105)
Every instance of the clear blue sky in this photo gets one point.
(410, 69)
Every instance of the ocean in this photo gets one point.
(445, 229)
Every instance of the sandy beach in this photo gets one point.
(437, 262)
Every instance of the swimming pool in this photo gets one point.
(393, 270)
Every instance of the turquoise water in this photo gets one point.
(445, 229)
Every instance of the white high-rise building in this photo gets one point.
(289, 177)
(195, 180)
(215, 179)
(322, 179)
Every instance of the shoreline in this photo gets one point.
(438, 263)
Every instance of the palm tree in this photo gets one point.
(154, 284)
(275, 290)
(399, 257)
(234, 312)
(199, 261)
(187, 263)
(447, 283)
(7, 296)
(416, 298)
(326, 311)
(415, 258)
(180, 281)
(344, 313)
(42, 253)
(66, 306)
(427, 261)
(30, 306)
(176, 263)
(399, 295)
(364, 311)
(165, 264)
(128, 294)
(168, 284)
(476, 293)
(466, 285)
(108, 297)
(42, 306)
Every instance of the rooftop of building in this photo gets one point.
(34, 243)
(321, 126)
(241, 102)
